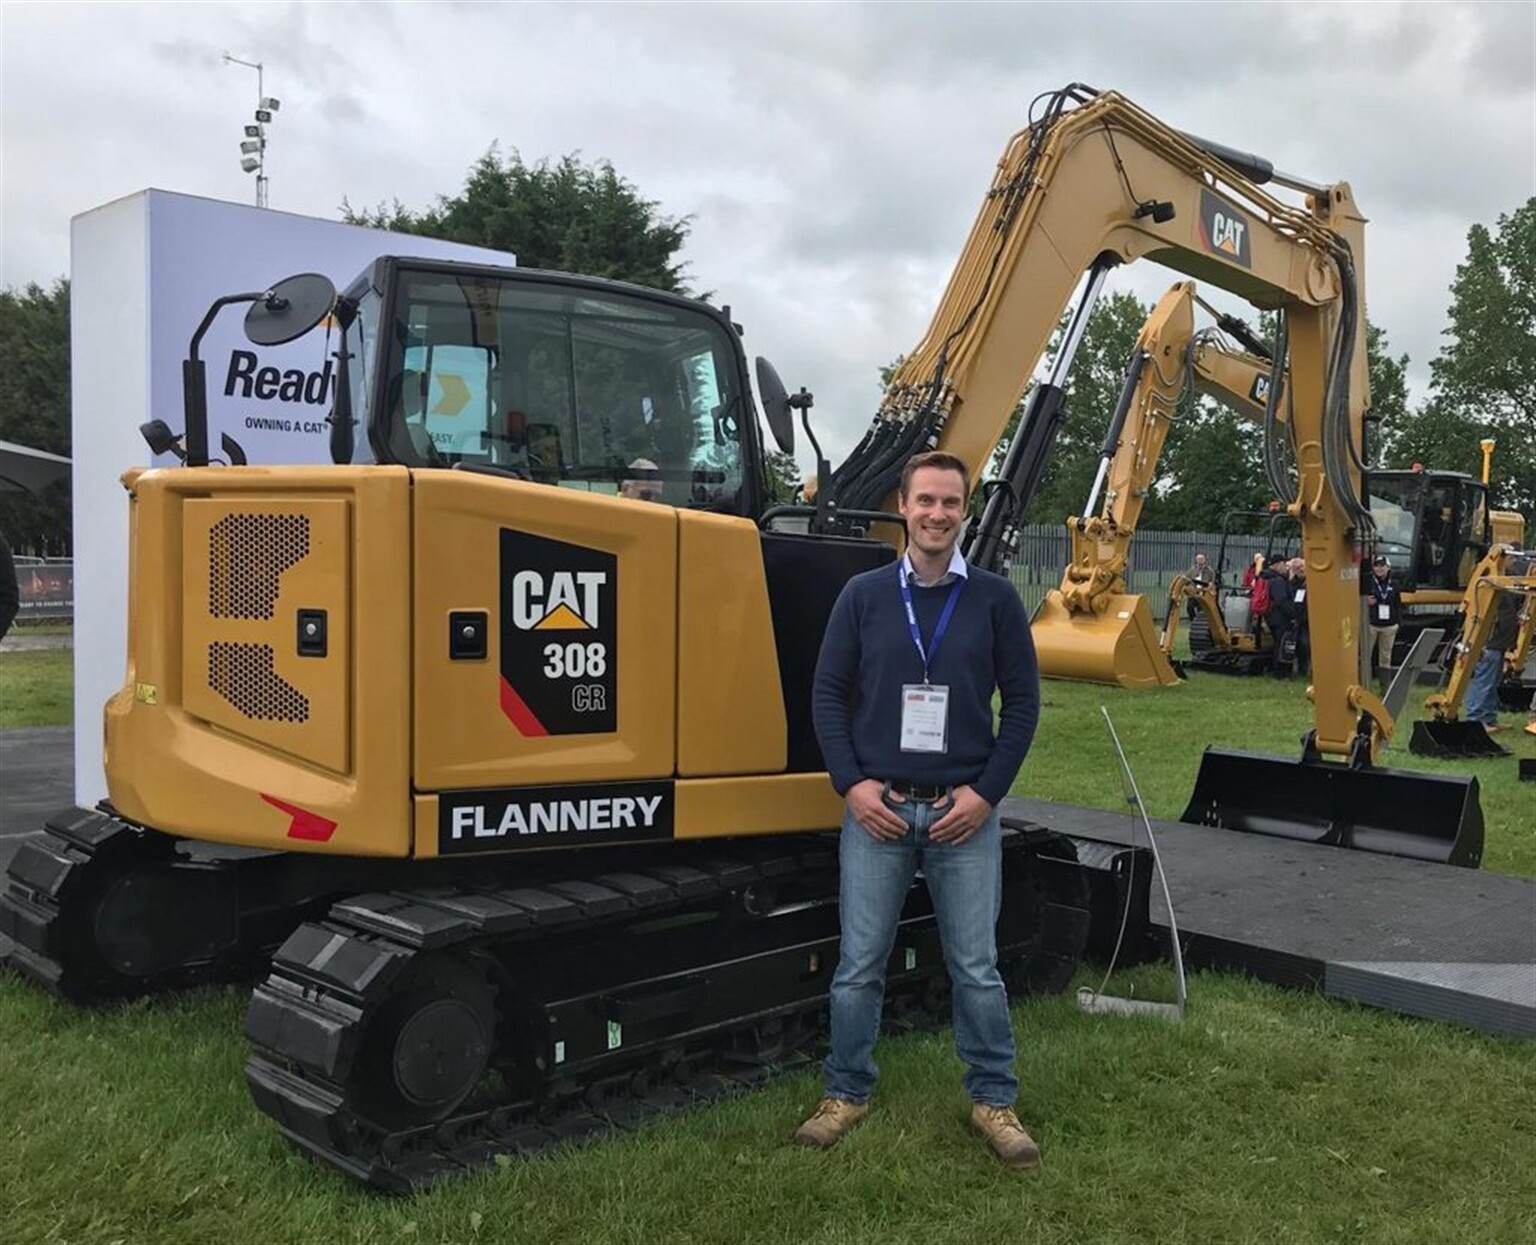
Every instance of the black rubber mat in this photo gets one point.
(1451, 944)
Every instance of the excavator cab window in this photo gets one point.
(1471, 531)
(563, 384)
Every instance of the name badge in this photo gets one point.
(1301, 595)
(1384, 613)
(924, 718)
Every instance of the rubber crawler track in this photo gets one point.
(331, 979)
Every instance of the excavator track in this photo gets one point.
(88, 869)
(415, 1035)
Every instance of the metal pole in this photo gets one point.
(261, 127)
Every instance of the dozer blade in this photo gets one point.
(1453, 739)
(1117, 646)
(1437, 817)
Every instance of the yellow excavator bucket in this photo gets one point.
(1121, 645)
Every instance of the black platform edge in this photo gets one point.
(1474, 931)
(1400, 988)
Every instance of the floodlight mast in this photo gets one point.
(253, 152)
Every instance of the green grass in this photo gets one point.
(37, 688)
(1267, 1116)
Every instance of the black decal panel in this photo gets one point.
(1224, 230)
(559, 636)
(536, 817)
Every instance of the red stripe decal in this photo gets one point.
(520, 715)
(306, 825)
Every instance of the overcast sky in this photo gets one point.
(832, 156)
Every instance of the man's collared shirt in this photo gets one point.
(956, 570)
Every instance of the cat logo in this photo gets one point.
(559, 636)
(1259, 394)
(558, 601)
(1224, 229)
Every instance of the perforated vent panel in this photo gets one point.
(247, 555)
(243, 675)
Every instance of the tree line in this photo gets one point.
(572, 216)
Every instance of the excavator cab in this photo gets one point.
(1433, 525)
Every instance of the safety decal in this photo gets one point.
(559, 636)
(1224, 229)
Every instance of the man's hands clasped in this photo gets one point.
(966, 814)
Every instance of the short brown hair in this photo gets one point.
(941, 459)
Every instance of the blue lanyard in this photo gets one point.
(928, 655)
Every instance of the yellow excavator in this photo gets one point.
(1506, 572)
(519, 769)
(1091, 628)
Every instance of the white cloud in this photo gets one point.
(832, 156)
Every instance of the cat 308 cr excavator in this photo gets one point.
(532, 762)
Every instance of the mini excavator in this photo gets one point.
(519, 771)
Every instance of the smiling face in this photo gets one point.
(934, 508)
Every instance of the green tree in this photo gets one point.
(564, 215)
(1211, 464)
(784, 476)
(1093, 389)
(1483, 384)
(34, 409)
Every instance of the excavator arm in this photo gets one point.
(1093, 182)
(1092, 628)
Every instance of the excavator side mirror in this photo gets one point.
(776, 407)
(290, 309)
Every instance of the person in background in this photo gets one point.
(1299, 602)
(10, 591)
(1200, 573)
(645, 482)
(1385, 604)
(1483, 692)
(1281, 614)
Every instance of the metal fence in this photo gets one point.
(47, 589)
(1157, 559)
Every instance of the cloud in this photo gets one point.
(832, 156)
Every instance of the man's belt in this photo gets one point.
(919, 792)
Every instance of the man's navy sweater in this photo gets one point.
(867, 656)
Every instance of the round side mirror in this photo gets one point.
(775, 399)
(290, 309)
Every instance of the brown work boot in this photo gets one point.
(834, 1120)
(1001, 1130)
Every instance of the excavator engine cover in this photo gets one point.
(1435, 817)
(1118, 646)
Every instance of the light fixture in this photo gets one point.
(270, 104)
(253, 131)
(251, 146)
(263, 115)
(249, 163)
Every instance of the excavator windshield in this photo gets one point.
(581, 385)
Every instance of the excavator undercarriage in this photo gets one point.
(424, 1019)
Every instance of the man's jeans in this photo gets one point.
(966, 885)
(1483, 693)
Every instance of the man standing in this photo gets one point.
(1385, 604)
(1483, 690)
(903, 709)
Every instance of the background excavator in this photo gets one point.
(1433, 524)
(1091, 628)
(526, 767)
(1503, 580)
